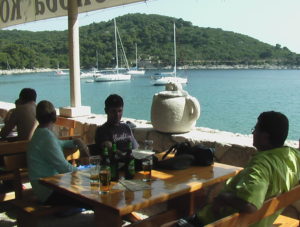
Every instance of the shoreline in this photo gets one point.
(222, 67)
(204, 67)
(24, 71)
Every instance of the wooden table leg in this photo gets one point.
(183, 204)
(106, 217)
(189, 203)
(178, 207)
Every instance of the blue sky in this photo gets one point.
(270, 21)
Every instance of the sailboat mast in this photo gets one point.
(123, 50)
(97, 64)
(175, 50)
(7, 65)
(117, 61)
(136, 56)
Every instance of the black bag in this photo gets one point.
(186, 156)
(204, 156)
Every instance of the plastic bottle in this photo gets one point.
(129, 163)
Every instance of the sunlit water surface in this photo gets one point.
(230, 100)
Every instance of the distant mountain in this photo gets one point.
(154, 37)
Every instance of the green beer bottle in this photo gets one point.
(114, 163)
(105, 173)
(129, 163)
(105, 162)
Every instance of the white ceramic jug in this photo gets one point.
(174, 110)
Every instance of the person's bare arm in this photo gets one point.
(229, 199)
(10, 123)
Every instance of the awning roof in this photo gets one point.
(13, 12)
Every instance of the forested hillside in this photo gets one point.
(154, 37)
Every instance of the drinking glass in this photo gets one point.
(94, 169)
(105, 177)
(148, 145)
(147, 167)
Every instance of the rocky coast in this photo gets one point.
(263, 66)
(212, 67)
(23, 71)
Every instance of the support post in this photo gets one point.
(74, 60)
(74, 63)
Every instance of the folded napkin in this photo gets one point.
(135, 185)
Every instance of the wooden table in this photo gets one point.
(175, 187)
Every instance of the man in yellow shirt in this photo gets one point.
(275, 169)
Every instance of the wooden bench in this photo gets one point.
(270, 207)
(9, 148)
(285, 221)
(70, 124)
(9, 172)
(29, 210)
(67, 123)
(14, 166)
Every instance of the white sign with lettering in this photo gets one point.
(13, 12)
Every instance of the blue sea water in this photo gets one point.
(230, 100)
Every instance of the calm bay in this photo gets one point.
(230, 100)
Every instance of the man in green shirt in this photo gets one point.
(275, 169)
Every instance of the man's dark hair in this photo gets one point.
(276, 125)
(114, 100)
(27, 95)
(45, 112)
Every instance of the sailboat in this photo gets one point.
(136, 71)
(59, 72)
(7, 65)
(89, 74)
(8, 69)
(116, 75)
(170, 77)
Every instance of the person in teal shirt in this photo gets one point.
(45, 156)
(273, 170)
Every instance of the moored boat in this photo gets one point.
(110, 77)
(60, 73)
(168, 77)
(135, 70)
(115, 75)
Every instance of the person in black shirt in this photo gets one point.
(113, 130)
